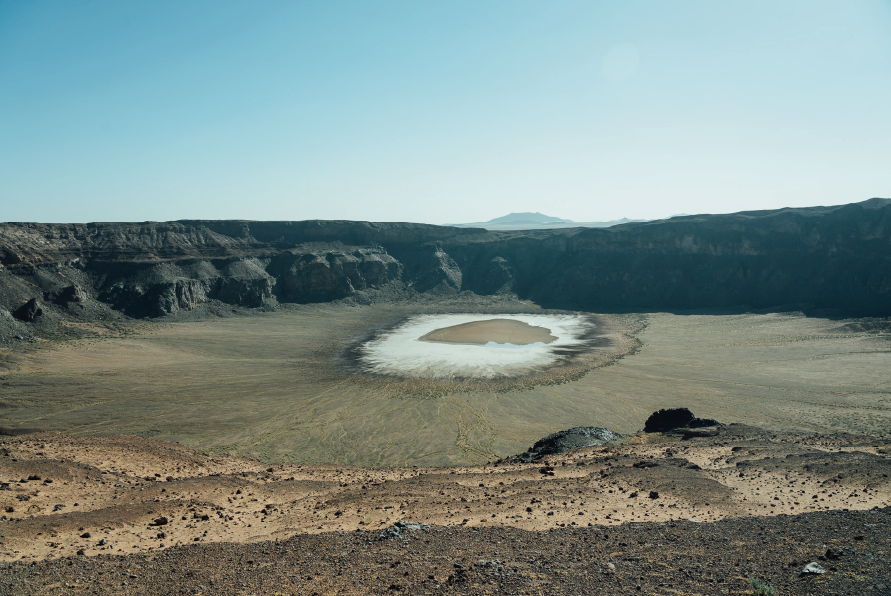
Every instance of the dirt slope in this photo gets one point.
(692, 515)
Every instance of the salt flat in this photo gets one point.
(456, 345)
(275, 386)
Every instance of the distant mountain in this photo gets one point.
(526, 218)
(539, 221)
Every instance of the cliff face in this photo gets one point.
(328, 274)
(835, 258)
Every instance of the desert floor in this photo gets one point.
(279, 387)
(657, 514)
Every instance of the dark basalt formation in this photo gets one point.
(670, 419)
(29, 311)
(835, 260)
(566, 440)
(665, 420)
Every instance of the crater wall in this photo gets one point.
(830, 259)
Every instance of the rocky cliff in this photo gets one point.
(831, 258)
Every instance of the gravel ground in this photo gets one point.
(644, 558)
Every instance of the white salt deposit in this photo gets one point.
(399, 352)
(492, 344)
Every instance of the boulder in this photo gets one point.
(573, 438)
(395, 531)
(812, 569)
(67, 295)
(29, 311)
(670, 419)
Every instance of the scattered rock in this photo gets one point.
(491, 565)
(395, 531)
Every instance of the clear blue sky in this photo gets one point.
(439, 111)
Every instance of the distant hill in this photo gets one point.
(526, 218)
(539, 221)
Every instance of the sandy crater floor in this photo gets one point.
(493, 331)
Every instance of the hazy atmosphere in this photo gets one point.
(439, 111)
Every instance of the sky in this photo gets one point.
(441, 111)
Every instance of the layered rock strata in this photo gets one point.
(831, 259)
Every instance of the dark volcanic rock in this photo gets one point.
(182, 294)
(668, 419)
(29, 311)
(396, 530)
(573, 438)
(676, 418)
(435, 270)
(66, 295)
(322, 275)
(245, 282)
(493, 277)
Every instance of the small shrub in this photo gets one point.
(762, 588)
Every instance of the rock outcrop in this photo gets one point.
(28, 311)
(493, 277)
(671, 419)
(566, 440)
(321, 275)
(433, 269)
(245, 282)
(66, 295)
